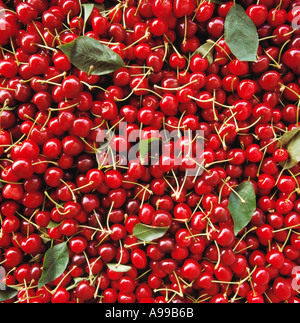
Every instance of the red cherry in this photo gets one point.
(254, 297)
(258, 14)
(85, 291)
(162, 9)
(191, 270)
(138, 258)
(31, 244)
(291, 58)
(13, 256)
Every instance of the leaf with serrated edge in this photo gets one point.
(91, 56)
(119, 268)
(55, 263)
(148, 233)
(291, 142)
(241, 34)
(242, 205)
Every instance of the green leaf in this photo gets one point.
(206, 51)
(7, 293)
(107, 5)
(148, 233)
(119, 268)
(87, 10)
(52, 224)
(217, 2)
(55, 263)
(294, 152)
(242, 204)
(287, 137)
(145, 146)
(100, 7)
(91, 56)
(241, 34)
(291, 142)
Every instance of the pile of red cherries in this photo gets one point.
(54, 190)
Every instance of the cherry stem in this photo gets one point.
(185, 30)
(28, 220)
(253, 124)
(283, 86)
(92, 228)
(281, 172)
(84, 186)
(166, 289)
(107, 219)
(201, 101)
(286, 240)
(143, 274)
(219, 255)
(94, 87)
(178, 283)
(277, 65)
(141, 185)
(281, 50)
(54, 202)
(296, 181)
(261, 162)
(68, 186)
(47, 120)
(14, 144)
(244, 235)
(7, 182)
(61, 282)
(216, 44)
(236, 193)
(147, 34)
(135, 88)
(89, 266)
(175, 49)
(137, 8)
(53, 78)
(45, 162)
(286, 228)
